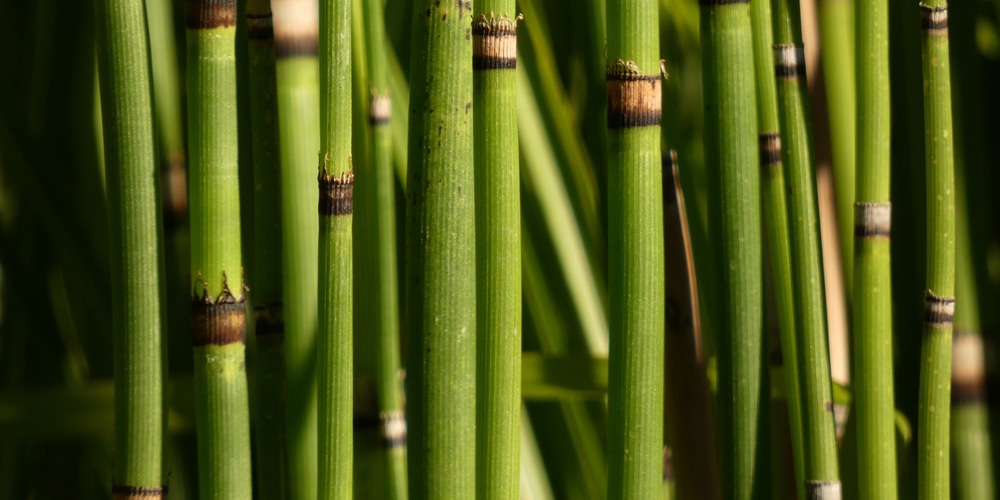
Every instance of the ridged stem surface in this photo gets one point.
(136, 248)
(731, 155)
(498, 251)
(336, 208)
(776, 232)
(872, 299)
(222, 415)
(441, 255)
(815, 386)
(934, 417)
(635, 252)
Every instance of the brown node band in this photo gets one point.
(789, 61)
(939, 312)
(380, 109)
(770, 149)
(268, 320)
(393, 428)
(872, 220)
(934, 20)
(260, 26)
(295, 46)
(207, 14)
(634, 99)
(126, 492)
(336, 193)
(823, 490)
(968, 369)
(219, 322)
(494, 43)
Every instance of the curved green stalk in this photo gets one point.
(218, 317)
(731, 154)
(498, 251)
(336, 209)
(776, 214)
(133, 214)
(822, 477)
(934, 416)
(635, 257)
(873, 391)
(295, 41)
(269, 367)
(836, 45)
(378, 384)
(440, 248)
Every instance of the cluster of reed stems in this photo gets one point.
(535, 213)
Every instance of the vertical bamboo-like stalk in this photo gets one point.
(635, 257)
(934, 416)
(336, 209)
(380, 428)
(441, 251)
(218, 311)
(822, 477)
(873, 392)
(688, 421)
(731, 154)
(133, 215)
(296, 27)
(498, 250)
(836, 45)
(269, 328)
(776, 226)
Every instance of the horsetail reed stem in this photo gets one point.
(336, 209)
(498, 251)
(269, 329)
(635, 256)
(819, 441)
(441, 255)
(934, 416)
(873, 392)
(296, 27)
(776, 226)
(731, 154)
(136, 249)
(375, 241)
(836, 45)
(218, 315)
(688, 421)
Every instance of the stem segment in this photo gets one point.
(635, 257)
(136, 249)
(441, 255)
(218, 316)
(498, 250)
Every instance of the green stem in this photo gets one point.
(776, 226)
(136, 249)
(873, 393)
(218, 316)
(269, 376)
(336, 209)
(939, 302)
(440, 246)
(731, 153)
(635, 257)
(836, 45)
(498, 245)
(822, 477)
(297, 68)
